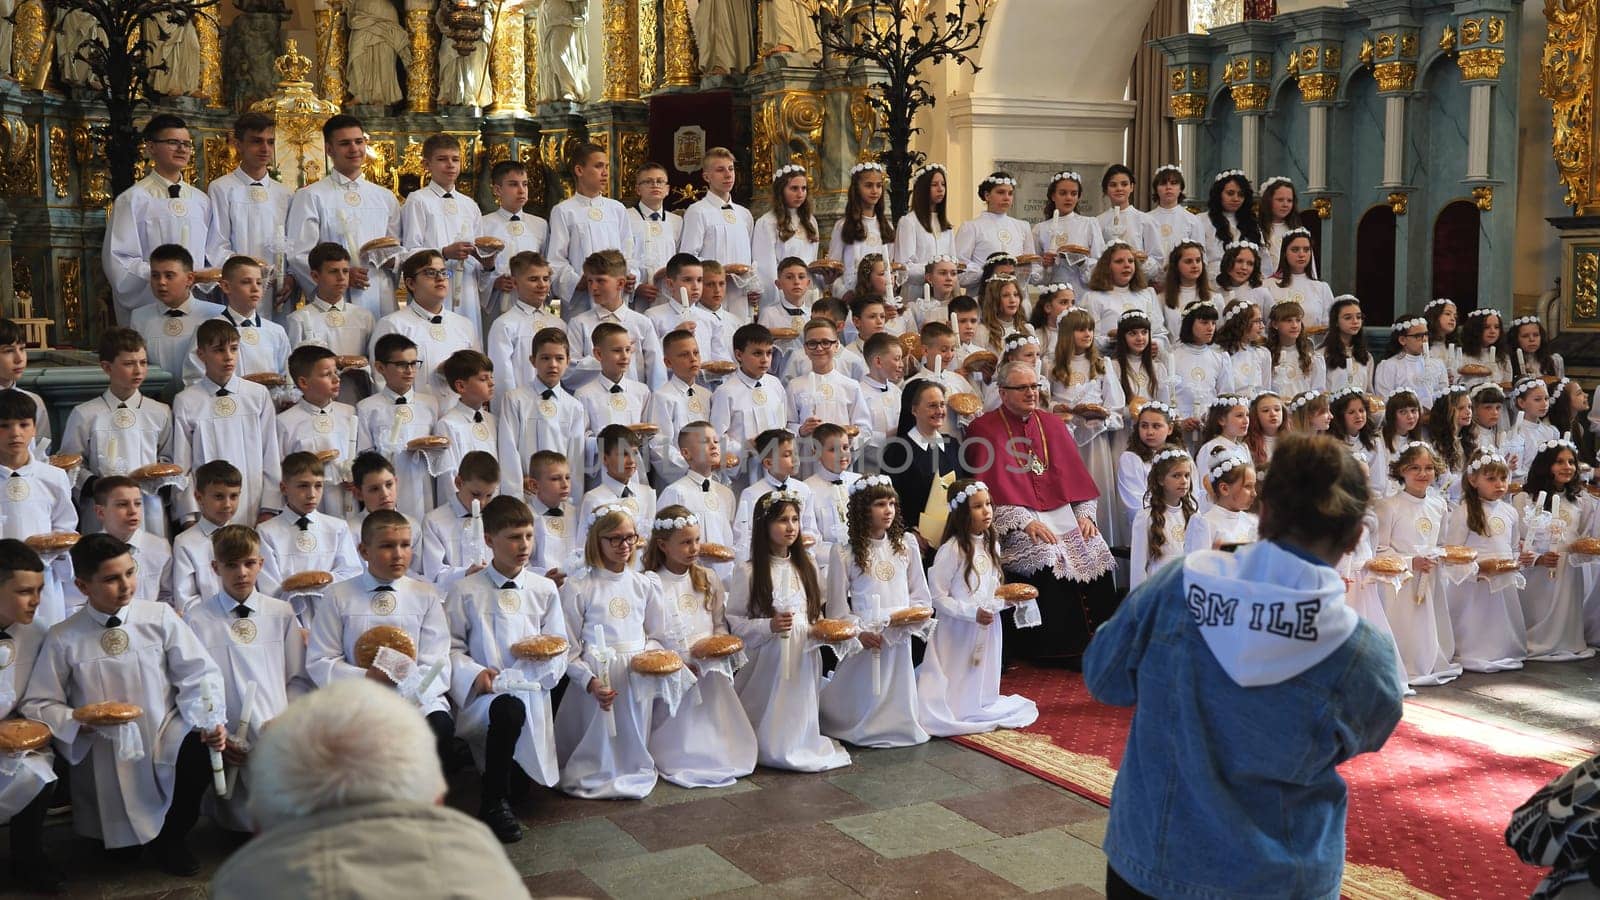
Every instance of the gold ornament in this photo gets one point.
(1250, 97)
(1481, 64)
(1566, 79)
(1483, 196)
(1398, 202)
(421, 77)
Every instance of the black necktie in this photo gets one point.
(626, 492)
(757, 385)
(304, 522)
(655, 217)
(247, 323)
(256, 184)
(242, 611)
(509, 586)
(793, 312)
(548, 393)
(400, 401)
(446, 196)
(838, 481)
(173, 313)
(554, 511)
(222, 392)
(174, 190)
(884, 389)
(113, 622)
(477, 416)
(616, 389)
(705, 486)
(782, 486)
(383, 587)
(691, 392)
(437, 320)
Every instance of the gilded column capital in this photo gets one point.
(1481, 64)
(1483, 196)
(1250, 97)
(508, 62)
(1323, 206)
(1395, 77)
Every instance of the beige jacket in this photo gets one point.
(379, 850)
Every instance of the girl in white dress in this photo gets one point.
(1001, 309)
(1402, 425)
(1569, 407)
(1444, 336)
(1085, 392)
(709, 743)
(1309, 413)
(787, 229)
(1121, 221)
(1116, 286)
(1199, 370)
(1294, 281)
(1150, 435)
(1480, 339)
(1345, 357)
(1408, 363)
(1530, 430)
(924, 232)
(1275, 212)
(1240, 278)
(1068, 241)
(1053, 302)
(1450, 430)
(1184, 283)
(1553, 601)
(864, 228)
(1174, 223)
(994, 230)
(1488, 411)
(1266, 423)
(1355, 427)
(1485, 613)
(1296, 366)
(1227, 425)
(613, 612)
(1527, 350)
(871, 700)
(872, 279)
(1239, 336)
(1230, 216)
(1020, 346)
(1137, 365)
(1160, 525)
(958, 683)
(775, 598)
(1231, 484)
(1410, 523)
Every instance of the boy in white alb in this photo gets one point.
(303, 539)
(159, 209)
(613, 398)
(606, 271)
(749, 401)
(555, 518)
(520, 231)
(441, 218)
(35, 497)
(885, 362)
(675, 404)
(775, 451)
(258, 646)
(510, 341)
(117, 649)
(374, 485)
(790, 312)
(263, 344)
(348, 210)
(467, 422)
(332, 321)
(13, 363)
(700, 492)
(714, 326)
(222, 416)
(436, 331)
(714, 227)
(122, 429)
(396, 415)
(448, 551)
(169, 324)
(831, 486)
(541, 416)
(824, 394)
(655, 230)
(24, 798)
(318, 423)
(619, 483)
(250, 209)
(119, 508)
(584, 224)
(217, 486)
(682, 282)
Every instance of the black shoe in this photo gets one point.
(498, 817)
(37, 877)
(174, 858)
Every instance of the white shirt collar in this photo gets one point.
(347, 183)
(211, 387)
(134, 402)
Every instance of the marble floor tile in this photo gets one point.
(682, 872)
(1039, 861)
(913, 830)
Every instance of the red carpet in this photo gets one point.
(1427, 813)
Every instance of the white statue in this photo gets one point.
(8, 8)
(786, 28)
(178, 46)
(72, 32)
(563, 53)
(464, 80)
(722, 31)
(376, 43)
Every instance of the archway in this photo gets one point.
(1455, 254)
(1375, 264)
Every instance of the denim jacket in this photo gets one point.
(1230, 792)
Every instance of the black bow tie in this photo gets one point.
(174, 190)
(838, 481)
(626, 492)
(477, 416)
(548, 393)
(400, 401)
(222, 392)
(705, 486)
(727, 206)
(782, 486)
(113, 622)
(616, 389)
(304, 522)
(757, 383)
(173, 313)
(333, 307)
(256, 184)
(242, 611)
(884, 389)
(436, 320)
(554, 511)
(792, 311)
(447, 196)
(691, 392)
(383, 587)
(515, 217)
(16, 474)
(509, 586)
(247, 323)
(122, 406)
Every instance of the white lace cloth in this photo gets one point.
(535, 674)
(670, 689)
(125, 739)
(1026, 615)
(723, 666)
(1072, 558)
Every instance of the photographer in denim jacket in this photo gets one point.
(1253, 680)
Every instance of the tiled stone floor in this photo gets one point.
(932, 821)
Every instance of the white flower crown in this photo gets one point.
(1295, 232)
(1559, 386)
(1423, 444)
(1018, 339)
(1346, 391)
(1520, 321)
(772, 497)
(1403, 324)
(1046, 290)
(1486, 311)
(992, 181)
(1481, 387)
(1558, 443)
(787, 171)
(858, 168)
(861, 484)
(1398, 391)
(1525, 385)
(606, 509)
(1227, 401)
(1484, 459)
(1264, 392)
(1132, 313)
(1301, 399)
(1067, 176)
(944, 258)
(1239, 308)
(1252, 246)
(1115, 243)
(1003, 277)
(1279, 301)
(1454, 389)
(1159, 407)
(1170, 453)
(1274, 181)
(1230, 173)
(1439, 301)
(1196, 304)
(1169, 167)
(675, 524)
(1225, 465)
(930, 167)
(995, 259)
(1346, 297)
(966, 493)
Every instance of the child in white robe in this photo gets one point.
(774, 601)
(1122, 221)
(393, 417)
(614, 612)
(24, 798)
(1530, 430)
(1118, 285)
(1159, 528)
(958, 683)
(1552, 601)
(37, 499)
(1083, 387)
(1200, 372)
(1485, 613)
(222, 416)
(541, 416)
(1294, 283)
(504, 698)
(1231, 483)
(527, 312)
(871, 700)
(1480, 345)
(1150, 435)
(449, 550)
(331, 319)
(1410, 525)
(318, 423)
(1069, 242)
(119, 507)
(465, 419)
(993, 231)
(442, 217)
(436, 330)
(864, 228)
(1239, 335)
(302, 538)
(217, 487)
(709, 743)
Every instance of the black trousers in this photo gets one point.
(188, 787)
(1117, 889)
(1069, 611)
(27, 828)
(507, 716)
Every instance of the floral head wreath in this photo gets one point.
(1228, 401)
(1240, 307)
(1423, 444)
(1169, 167)
(1397, 392)
(1520, 321)
(1560, 386)
(1118, 242)
(606, 509)
(1169, 453)
(1343, 297)
(1439, 301)
(930, 167)
(944, 258)
(1046, 290)
(994, 181)
(1225, 174)
(1196, 304)
(999, 259)
(1482, 386)
(1252, 246)
(1132, 313)
(1525, 385)
(858, 168)
(1266, 392)
(1066, 176)
(1486, 311)
(1301, 399)
(1558, 444)
(675, 524)
(1003, 277)
(1159, 407)
(788, 170)
(772, 497)
(1454, 389)
(965, 494)
(1296, 232)
(1227, 464)
(1274, 181)
(869, 481)
(1017, 340)
(1403, 324)
(1346, 391)
(1483, 459)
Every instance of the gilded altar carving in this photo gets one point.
(210, 35)
(1496, 30)
(1482, 63)
(1188, 106)
(555, 148)
(508, 62)
(1249, 97)
(219, 156)
(620, 28)
(1471, 31)
(499, 153)
(331, 49)
(1408, 45)
(1319, 87)
(19, 176)
(60, 162)
(1332, 57)
(1237, 69)
(1177, 79)
(680, 57)
(379, 167)
(1566, 79)
(1199, 77)
(411, 162)
(1384, 48)
(422, 86)
(1483, 196)
(94, 178)
(1447, 39)
(1395, 76)
(631, 149)
(28, 36)
(21, 281)
(1323, 206)
(649, 55)
(1307, 58)
(69, 276)
(865, 123)
(1263, 67)
(530, 61)
(1366, 53)
(791, 124)
(1585, 270)
(528, 154)
(1398, 202)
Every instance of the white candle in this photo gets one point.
(1538, 503)
(1522, 362)
(1555, 510)
(1491, 356)
(114, 457)
(877, 653)
(243, 734)
(603, 660)
(927, 292)
(219, 778)
(683, 297)
(954, 327)
(938, 364)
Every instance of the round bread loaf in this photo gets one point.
(66, 461)
(1476, 370)
(1386, 565)
(718, 367)
(428, 442)
(1497, 565)
(207, 276)
(716, 646)
(980, 359)
(1027, 259)
(310, 580)
(391, 636)
(911, 615)
(350, 361)
(1588, 546)
(379, 243)
(1017, 592)
(22, 735)
(156, 470)
(716, 552)
(53, 542)
(833, 630)
(739, 269)
(540, 647)
(1091, 411)
(656, 662)
(107, 713)
(489, 244)
(267, 379)
(644, 429)
(1458, 554)
(784, 334)
(327, 456)
(965, 404)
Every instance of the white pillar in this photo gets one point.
(1394, 137)
(1249, 145)
(1478, 132)
(1317, 144)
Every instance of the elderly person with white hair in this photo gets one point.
(349, 795)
